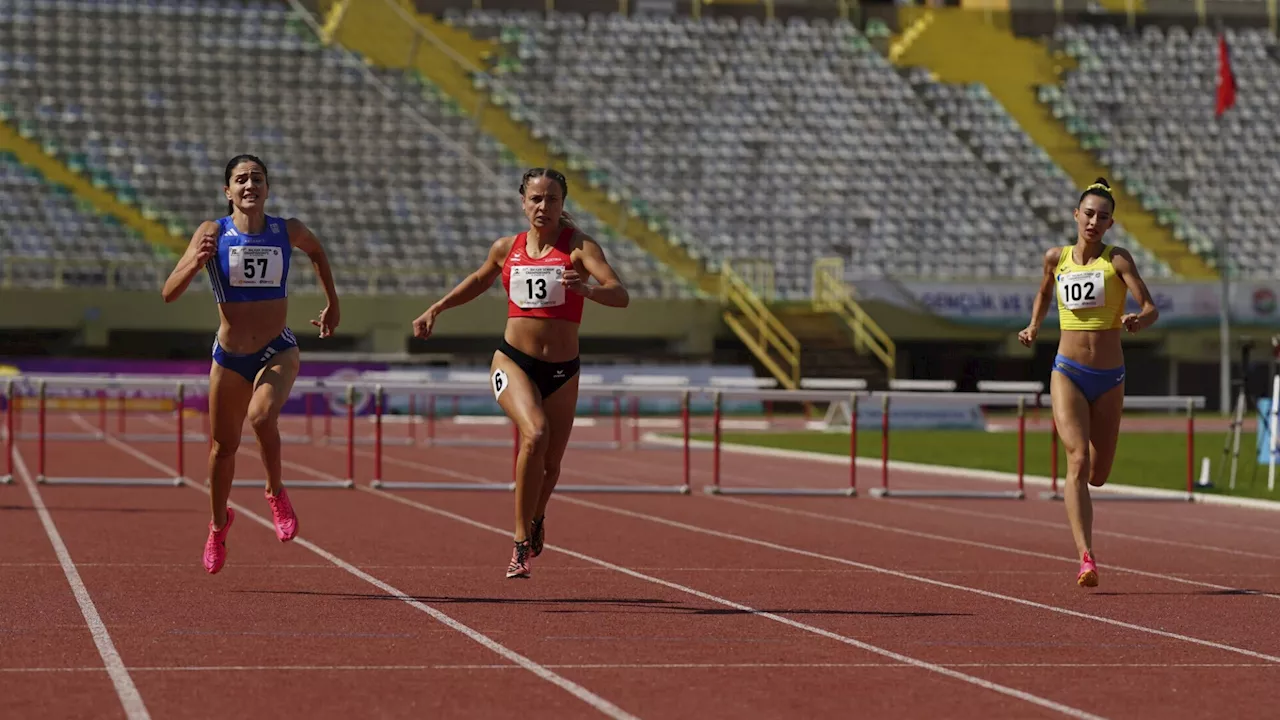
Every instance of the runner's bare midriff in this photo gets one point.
(543, 338)
(1098, 349)
(249, 326)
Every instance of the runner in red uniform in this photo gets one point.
(534, 374)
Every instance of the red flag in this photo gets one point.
(1226, 78)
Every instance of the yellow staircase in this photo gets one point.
(944, 41)
(745, 288)
(832, 295)
(29, 152)
(389, 33)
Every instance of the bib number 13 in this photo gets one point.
(537, 288)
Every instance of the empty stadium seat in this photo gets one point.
(780, 141)
(152, 99)
(1144, 101)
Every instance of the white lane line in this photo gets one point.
(625, 666)
(983, 545)
(130, 698)
(889, 528)
(578, 691)
(904, 659)
(1049, 524)
(920, 579)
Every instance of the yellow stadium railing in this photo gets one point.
(832, 294)
(747, 315)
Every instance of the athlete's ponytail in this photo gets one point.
(566, 220)
(1102, 189)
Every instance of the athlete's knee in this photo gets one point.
(1078, 462)
(223, 448)
(262, 420)
(533, 438)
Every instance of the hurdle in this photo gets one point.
(311, 385)
(884, 491)
(42, 476)
(683, 488)
(759, 383)
(837, 411)
(7, 478)
(14, 430)
(807, 396)
(1139, 402)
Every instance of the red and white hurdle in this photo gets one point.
(591, 390)
(1173, 402)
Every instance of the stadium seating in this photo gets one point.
(1145, 102)
(153, 98)
(48, 240)
(782, 141)
(1024, 167)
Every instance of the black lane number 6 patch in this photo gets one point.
(499, 383)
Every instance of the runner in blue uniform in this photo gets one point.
(255, 355)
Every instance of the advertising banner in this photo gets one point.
(1005, 304)
(155, 399)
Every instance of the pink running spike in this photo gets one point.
(215, 548)
(282, 514)
(1088, 576)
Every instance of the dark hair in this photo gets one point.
(533, 173)
(1102, 189)
(226, 177)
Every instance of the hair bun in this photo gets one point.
(1103, 182)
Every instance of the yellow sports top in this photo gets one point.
(1090, 296)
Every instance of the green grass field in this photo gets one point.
(1148, 459)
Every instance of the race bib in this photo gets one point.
(255, 266)
(536, 286)
(1081, 290)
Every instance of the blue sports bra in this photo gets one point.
(248, 268)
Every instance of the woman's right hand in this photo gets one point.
(422, 326)
(1027, 336)
(206, 247)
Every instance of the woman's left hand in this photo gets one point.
(1132, 322)
(328, 322)
(573, 281)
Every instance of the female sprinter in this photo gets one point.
(255, 356)
(535, 369)
(1087, 382)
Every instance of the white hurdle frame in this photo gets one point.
(183, 387)
(802, 396)
(460, 390)
(984, 399)
(101, 383)
(1139, 402)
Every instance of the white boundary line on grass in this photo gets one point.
(958, 472)
(599, 703)
(130, 698)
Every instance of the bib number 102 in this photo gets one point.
(537, 288)
(1079, 292)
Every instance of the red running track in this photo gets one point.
(642, 606)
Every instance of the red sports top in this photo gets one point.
(533, 285)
